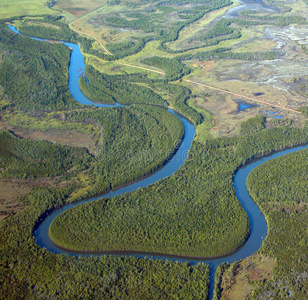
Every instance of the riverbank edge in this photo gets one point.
(179, 256)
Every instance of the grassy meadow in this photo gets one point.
(12, 8)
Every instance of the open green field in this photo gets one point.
(72, 9)
(190, 31)
(12, 8)
(79, 8)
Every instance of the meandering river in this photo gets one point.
(257, 221)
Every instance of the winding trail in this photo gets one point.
(257, 221)
(88, 34)
(142, 68)
(215, 88)
(243, 96)
(187, 80)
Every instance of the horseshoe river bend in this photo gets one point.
(258, 226)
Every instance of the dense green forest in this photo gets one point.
(138, 88)
(290, 178)
(253, 125)
(119, 87)
(94, 93)
(218, 278)
(23, 158)
(28, 271)
(135, 141)
(159, 218)
(178, 96)
(173, 68)
(280, 188)
(34, 74)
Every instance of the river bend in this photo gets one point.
(258, 224)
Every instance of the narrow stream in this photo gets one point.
(257, 220)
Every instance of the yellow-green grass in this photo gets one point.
(202, 130)
(4, 102)
(24, 121)
(85, 181)
(79, 8)
(110, 35)
(242, 87)
(238, 278)
(260, 44)
(103, 66)
(163, 93)
(217, 110)
(51, 128)
(298, 8)
(81, 22)
(29, 22)
(247, 33)
(213, 74)
(223, 106)
(193, 29)
(12, 8)
(11, 192)
(115, 68)
(150, 49)
(102, 34)
(102, 8)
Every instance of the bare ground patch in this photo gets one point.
(9, 195)
(237, 279)
(64, 137)
(263, 81)
(79, 8)
(11, 191)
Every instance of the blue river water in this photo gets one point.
(258, 224)
(273, 114)
(244, 105)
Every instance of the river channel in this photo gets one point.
(258, 224)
